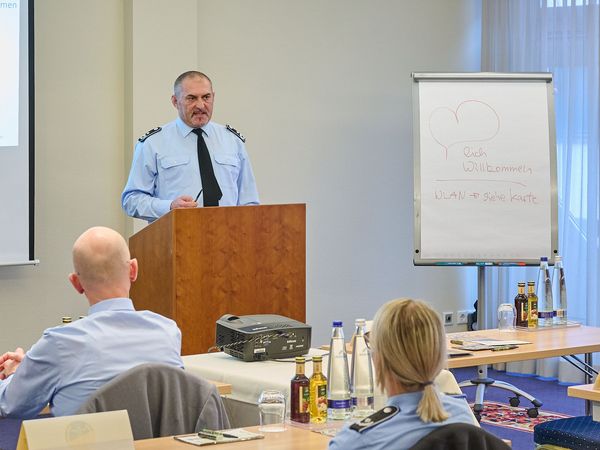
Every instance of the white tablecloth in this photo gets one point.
(248, 379)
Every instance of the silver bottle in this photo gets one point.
(361, 378)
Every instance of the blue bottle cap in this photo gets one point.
(544, 258)
(337, 323)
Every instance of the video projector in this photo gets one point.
(262, 336)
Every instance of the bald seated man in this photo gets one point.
(70, 362)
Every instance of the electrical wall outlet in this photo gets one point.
(462, 317)
(448, 318)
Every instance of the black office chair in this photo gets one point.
(460, 436)
(161, 400)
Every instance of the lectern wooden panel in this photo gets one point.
(198, 264)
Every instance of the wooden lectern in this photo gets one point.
(197, 264)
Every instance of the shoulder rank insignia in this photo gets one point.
(149, 133)
(376, 418)
(236, 132)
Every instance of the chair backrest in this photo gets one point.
(161, 400)
(460, 436)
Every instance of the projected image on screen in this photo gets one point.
(17, 136)
(9, 75)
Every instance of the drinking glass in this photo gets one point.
(507, 315)
(271, 406)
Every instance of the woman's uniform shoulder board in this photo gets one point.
(375, 419)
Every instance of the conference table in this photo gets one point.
(545, 343)
(248, 379)
(293, 438)
(566, 342)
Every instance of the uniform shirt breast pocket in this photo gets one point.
(173, 168)
(229, 166)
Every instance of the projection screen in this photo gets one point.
(16, 133)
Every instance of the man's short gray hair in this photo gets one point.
(188, 74)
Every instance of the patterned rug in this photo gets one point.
(503, 415)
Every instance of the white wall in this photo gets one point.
(322, 91)
(79, 158)
(161, 44)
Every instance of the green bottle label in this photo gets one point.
(303, 398)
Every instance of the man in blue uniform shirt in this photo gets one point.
(166, 172)
(71, 362)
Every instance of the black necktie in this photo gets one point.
(210, 186)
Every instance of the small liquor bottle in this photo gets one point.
(521, 306)
(532, 305)
(300, 395)
(318, 392)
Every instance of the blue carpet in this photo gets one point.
(550, 393)
(9, 433)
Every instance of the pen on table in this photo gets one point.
(462, 342)
(212, 437)
(198, 196)
(215, 433)
(499, 348)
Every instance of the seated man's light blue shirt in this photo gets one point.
(403, 430)
(71, 362)
(165, 166)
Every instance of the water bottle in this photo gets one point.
(544, 294)
(361, 380)
(560, 292)
(338, 388)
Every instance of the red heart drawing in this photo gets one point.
(471, 121)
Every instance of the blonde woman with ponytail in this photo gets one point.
(408, 345)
